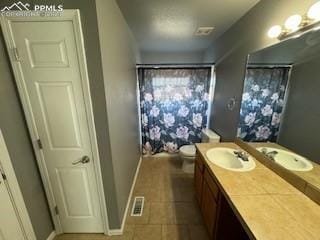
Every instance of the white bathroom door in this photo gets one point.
(10, 227)
(46, 52)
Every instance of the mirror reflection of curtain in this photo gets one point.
(174, 105)
(262, 103)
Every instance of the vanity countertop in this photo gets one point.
(267, 206)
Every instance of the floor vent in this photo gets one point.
(137, 207)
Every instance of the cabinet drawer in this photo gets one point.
(211, 184)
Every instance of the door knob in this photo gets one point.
(83, 160)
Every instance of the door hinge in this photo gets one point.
(4, 176)
(56, 210)
(16, 54)
(39, 144)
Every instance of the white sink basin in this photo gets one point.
(227, 159)
(288, 160)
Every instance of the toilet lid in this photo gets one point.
(188, 150)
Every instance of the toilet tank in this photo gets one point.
(209, 136)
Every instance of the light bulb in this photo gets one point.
(314, 12)
(274, 31)
(293, 22)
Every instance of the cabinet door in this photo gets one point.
(209, 208)
(198, 181)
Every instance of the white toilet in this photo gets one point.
(188, 152)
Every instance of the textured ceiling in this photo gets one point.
(169, 25)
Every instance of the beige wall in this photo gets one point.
(118, 54)
(230, 52)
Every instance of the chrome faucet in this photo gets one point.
(270, 155)
(242, 155)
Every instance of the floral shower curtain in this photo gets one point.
(174, 105)
(262, 104)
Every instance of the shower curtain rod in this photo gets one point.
(167, 65)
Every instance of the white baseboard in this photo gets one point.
(52, 236)
(114, 232)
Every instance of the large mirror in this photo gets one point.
(280, 109)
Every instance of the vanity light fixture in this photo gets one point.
(297, 24)
(293, 22)
(314, 12)
(275, 31)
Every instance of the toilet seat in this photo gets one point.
(188, 150)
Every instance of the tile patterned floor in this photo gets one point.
(170, 212)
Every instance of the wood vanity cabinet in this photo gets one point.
(218, 217)
(209, 207)
(198, 178)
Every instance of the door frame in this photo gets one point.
(14, 191)
(72, 15)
